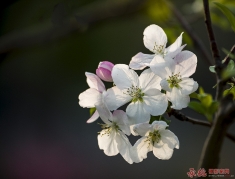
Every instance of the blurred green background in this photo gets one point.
(46, 46)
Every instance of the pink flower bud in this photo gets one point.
(104, 71)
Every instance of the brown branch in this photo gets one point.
(214, 141)
(214, 48)
(213, 144)
(196, 40)
(180, 116)
(86, 16)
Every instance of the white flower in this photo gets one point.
(112, 138)
(143, 92)
(155, 40)
(174, 74)
(93, 95)
(156, 138)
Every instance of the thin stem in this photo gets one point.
(213, 44)
(227, 58)
(180, 116)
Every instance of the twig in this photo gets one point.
(210, 31)
(84, 17)
(196, 40)
(180, 116)
(227, 58)
(183, 117)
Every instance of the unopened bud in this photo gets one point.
(104, 71)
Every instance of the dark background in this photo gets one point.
(43, 130)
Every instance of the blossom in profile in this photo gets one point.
(112, 138)
(142, 91)
(94, 94)
(175, 75)
(104, 71)
(155, 40)
(156, 138)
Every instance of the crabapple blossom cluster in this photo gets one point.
(164, 84)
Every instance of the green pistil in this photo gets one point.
(108, 128)
(153, 137)
(135, 93)
(115, 126)
(174, 80)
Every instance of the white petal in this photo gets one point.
(186, 63)
(195, 87)
(140, 61)
(161, 67)
(132, 130)
(94, 117)
(155, 102)
(88, 98)
(94, 82)
(108, 143)
(124, 147)
(159, 125)
(123, 77)
(165, 85)
(116, 98)
(137, 113)
(162, 151)
(176, 47)
(178, 100)
(104, 112)
(170, 139)
(154, 35)
(148, 80)
(141, 148)
(141, 128)
(120, 117)
(187, 85)
(173, 54)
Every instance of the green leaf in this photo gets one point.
(214, 107)
(201, 91)
(228, 74)
(230, 16)
(92, 111)
(196, 106)
(230, 65)
(194, 95)
(229, 71)
(230, 91)
(209, 116)
(206, 100)
(212, 69)
(206, 106)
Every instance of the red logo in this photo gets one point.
(215, 172)
(191, 173)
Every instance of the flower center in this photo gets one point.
(107, 129)
(174, 80)
(153, 137)
(159, 49)
(136, 93)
